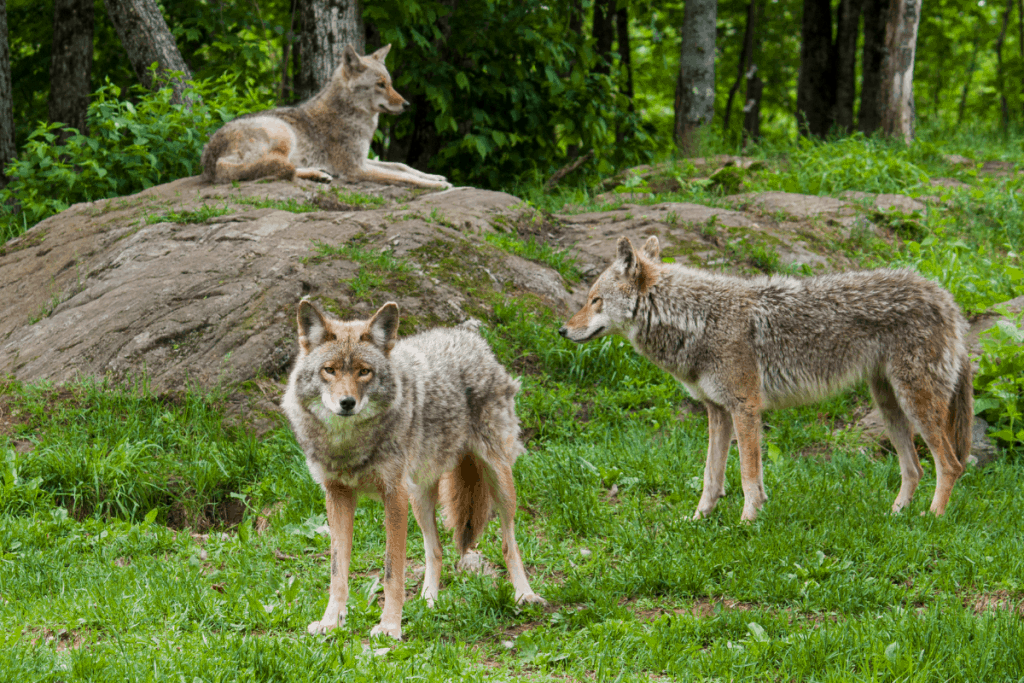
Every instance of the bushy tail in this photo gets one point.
(467, 502)
(961, 413)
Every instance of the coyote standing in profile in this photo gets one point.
(328, 135)
(426, 418)
(743, 346)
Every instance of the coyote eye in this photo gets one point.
(329, 370)
(365, 372)
(595, 301)
(381, 85)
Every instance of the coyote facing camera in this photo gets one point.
(743, 346)
(418, 420)
(327, 135)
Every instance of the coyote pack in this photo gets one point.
(746, 345)
(416, 420)
(328, 135)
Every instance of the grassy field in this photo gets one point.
(119, 562)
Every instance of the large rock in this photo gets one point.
(111, 288)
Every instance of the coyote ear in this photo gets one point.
(380, 54)
(626, 261)
(351, 60)
(312, 327)
(382, 330)
(652, 249)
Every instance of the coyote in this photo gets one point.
(328, 135)
(425, 418)
(743, 346)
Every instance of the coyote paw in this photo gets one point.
(430, 596)
(318, 628)
(314, 174)
(383, 629)
(530, 598)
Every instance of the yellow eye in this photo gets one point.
(595, 301)
(365, 372)
(329, 370)
(381, 85)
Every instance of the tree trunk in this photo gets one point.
(1000, 71)
(695, 87)
(897, 95)
(327, 27)
(869, 118)
(604, 34)
(146, 39)
(625, 63)
(7, 149)
(846, 62)
(748, 42)
(816, 83)
(754, 85)
(71, 63)
(970, 77)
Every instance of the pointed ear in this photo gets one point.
(312, 327)
(352, 62)
(380, 54)
(652, 248)
(626, 260)
(382, 330)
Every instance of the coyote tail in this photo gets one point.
(961, 413)
(467, 502)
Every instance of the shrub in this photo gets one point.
(133, 143)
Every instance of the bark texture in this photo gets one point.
(71, 63)
(695, 87)
(604, 33)
(625, 62)
(146, 38)
(897, 95)
(7, 148)
(327, 27)
(816, 83)
(846, 62)
(869, 118)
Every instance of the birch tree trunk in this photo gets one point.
(897, 94)
(7, 149)
(71, 63)
(146, 39)
(695, 87)
(327, 27)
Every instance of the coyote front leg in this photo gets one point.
(341, 509)
(747, 422)
(719, 438)
(396, 526)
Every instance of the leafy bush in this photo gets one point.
(1000, 380)
(514, 100)
(133, 143)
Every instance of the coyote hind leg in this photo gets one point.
(902, 436)
(719, 438)
(928, 405)
(502, 486)
(270, 166)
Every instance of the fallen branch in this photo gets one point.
(566, 170)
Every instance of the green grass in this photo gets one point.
(825, 585)
(200, 215)
(376, 265)
(102, 487)
(532, 249)
(292, 205)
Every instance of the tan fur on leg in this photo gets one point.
(341, 508)
(396, 524)
(719, 439)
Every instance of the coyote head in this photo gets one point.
(368, 82)
(611, 301)
(344, 366)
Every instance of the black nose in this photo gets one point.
(347, 403)
(564, 331)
